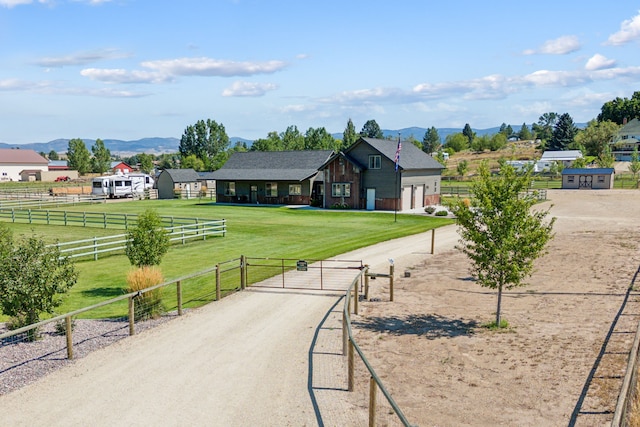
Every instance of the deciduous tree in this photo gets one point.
(101, 157)
(619, 109)
(634, 165)
(500, 233)
(33, 277)
(371, 130)
(78, 157)
(147, 242)
(596, 136)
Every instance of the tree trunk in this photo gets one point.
(499, 306)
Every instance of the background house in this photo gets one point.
(625, 140)
(588, 178)
(364, 177)
(178, 183)
(271, 177)
(121, 168)
(13, 161)
(567, 157)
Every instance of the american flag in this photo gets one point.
(397, 159)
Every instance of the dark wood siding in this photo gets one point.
(341, 170)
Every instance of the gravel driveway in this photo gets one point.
(259, 357)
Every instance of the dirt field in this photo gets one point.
(564, 356)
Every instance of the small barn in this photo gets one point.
(567, 157)
(13, 161)
(588, 178)
(178, 183)
(121, 168)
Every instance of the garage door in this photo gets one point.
(419, 196)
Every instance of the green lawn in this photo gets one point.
(277, 232)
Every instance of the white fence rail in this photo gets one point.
(100, 245)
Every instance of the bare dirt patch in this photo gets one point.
(562, 359)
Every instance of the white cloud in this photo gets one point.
(629, 31)
(213, 67)
(117, 75)
(599, 62)
(12, 3)
(560, 46)
(248, 89)
(80, 58)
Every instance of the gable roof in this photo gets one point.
(561, 155)
(182, 175)
(632, 127)
(272, 165)
(20, 156)
(411, 157)
(588, 171)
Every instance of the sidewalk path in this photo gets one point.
(259, 357)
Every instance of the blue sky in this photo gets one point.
(128, 69)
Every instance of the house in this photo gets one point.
(625, 140)
(121, 168)
(15, 160)
(364, 176)
(588, 178)
(538, 166)
(178, 183)
(271, 177)
(567, 157)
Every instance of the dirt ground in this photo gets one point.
(562, 360)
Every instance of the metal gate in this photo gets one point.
(309, 274)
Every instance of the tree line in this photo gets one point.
(205, 145)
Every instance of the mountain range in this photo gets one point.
(159, 145)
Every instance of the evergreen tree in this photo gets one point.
(469, 133)
(564, 133)
(431, 141)
(525, 133)
(349, 136)
(53, 155)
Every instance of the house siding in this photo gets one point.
(342, 171)
(244, 194)
(585, 179)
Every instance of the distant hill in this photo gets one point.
(170, 145)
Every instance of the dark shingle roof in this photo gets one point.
(411, 157)
(272, 165)
(182, 175)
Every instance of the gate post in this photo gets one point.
(433, 240)
(179, 297)
(351, 364)
(373, 388)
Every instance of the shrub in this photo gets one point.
(442, 213)
(430, 209)
(147, 305)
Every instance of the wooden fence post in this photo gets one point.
(351, 364)
(356, 298)
(373, 388)
(68, 330)
(391, 267)
(433, 240)
(366, 282)
(132, 317)
(243, 278)
(345, 334)
(217, 282)
(179, 295)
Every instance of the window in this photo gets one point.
(229, 188)
(341, 190)
(271, 189)
(600, 178)
(374, 162)
(570, 178)
(295, 189)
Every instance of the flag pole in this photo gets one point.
(397, 161)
